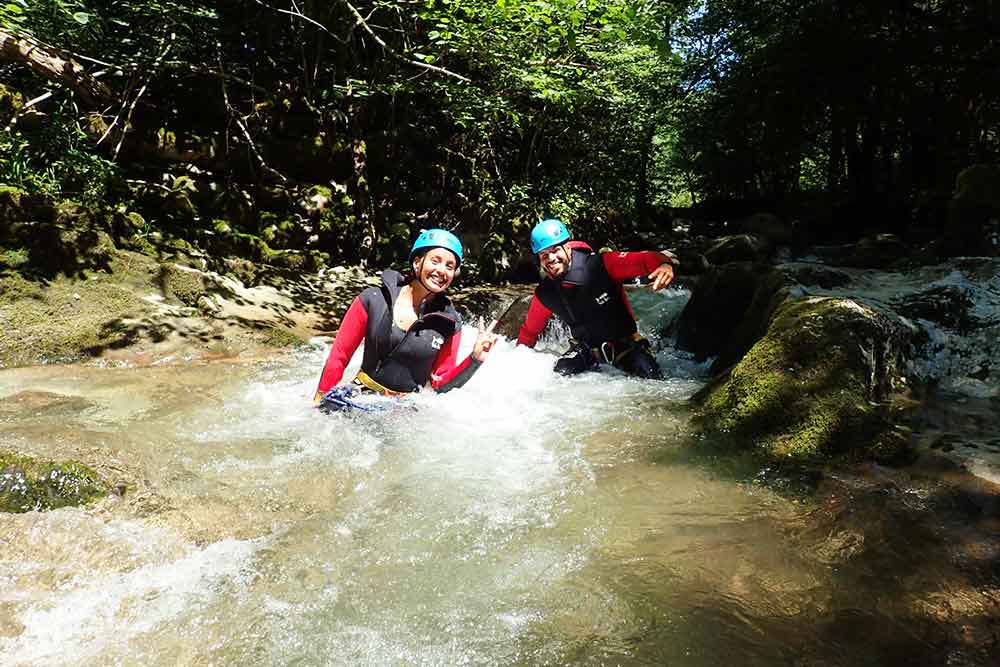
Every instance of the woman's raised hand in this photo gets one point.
(484, 341)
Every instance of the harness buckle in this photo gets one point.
(368, 382)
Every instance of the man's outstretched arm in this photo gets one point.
(534, 323)
(652, 264)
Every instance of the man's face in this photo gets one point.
(555, 260)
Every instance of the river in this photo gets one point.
(527, 519)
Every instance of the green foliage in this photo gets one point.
(874, 102)
(58, 162)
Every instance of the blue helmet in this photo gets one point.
(548, 233)
(437, 238)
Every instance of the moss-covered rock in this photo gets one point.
(771, 288)
(814, 385)
(64, 318)
(27, 484)
(182, 284)
(16, 205)
(67, 249)
(280, 337)
(717, 307)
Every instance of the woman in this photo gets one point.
(411, 330)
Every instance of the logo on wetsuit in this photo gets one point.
(437, 342)
(602, 299)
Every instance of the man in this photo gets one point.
(585, 290)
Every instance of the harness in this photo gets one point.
(363, 382)
(612, 351)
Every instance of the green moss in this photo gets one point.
(64, 319)
(183, 285)
(278, 337)
(805, 390)
(27, 484)
(15, 287)
(10, 193)
(13, 257)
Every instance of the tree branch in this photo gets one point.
(433, 68)
(49, 63)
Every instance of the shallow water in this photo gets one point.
(527, 519)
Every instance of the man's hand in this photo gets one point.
(484, 341)
(661, 276)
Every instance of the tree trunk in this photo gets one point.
(362, 193)
(642, 185)
(48, 62)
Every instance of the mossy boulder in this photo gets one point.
(27, 484)
(731, 306)
(182, 284)
(771, 288)
(813, 386)
(17, 205)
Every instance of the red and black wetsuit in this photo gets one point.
(402, 361)
(590, 298)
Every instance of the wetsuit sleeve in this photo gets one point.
(623, 266)
(534, 323)
(446, 375)
(349, 336)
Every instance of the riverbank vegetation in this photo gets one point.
(321, 133)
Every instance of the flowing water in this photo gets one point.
(527, 519)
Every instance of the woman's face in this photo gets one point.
(436, 269)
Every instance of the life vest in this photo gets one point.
(406, 366)
(594, 307)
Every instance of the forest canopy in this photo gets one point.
(342, 127)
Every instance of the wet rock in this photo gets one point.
(27, 484)
(729, 310)
(821, 276)
(512, 318)
(692, 262)
(43, 403)
(738, 248)
(813, 385)
(772, 228)
(876, 252)
(716, 307)
(974, 213)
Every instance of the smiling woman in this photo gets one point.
(410, 329)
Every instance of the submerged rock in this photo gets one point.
(27, 484)
(813, 385)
